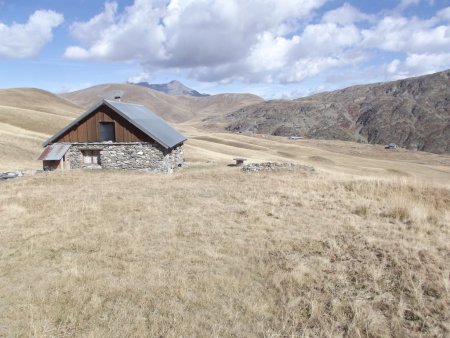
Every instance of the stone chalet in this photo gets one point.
(115, 135)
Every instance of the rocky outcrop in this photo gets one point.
(10, 175)
(413, 113)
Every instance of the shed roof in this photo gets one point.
(139, 116)
(54, 152)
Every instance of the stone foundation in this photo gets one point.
(132, 156)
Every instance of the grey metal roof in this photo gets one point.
(138, 115)
(149, 123)
(54, 152)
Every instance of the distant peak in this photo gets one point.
(174, 87)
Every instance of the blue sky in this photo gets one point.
(272, 48)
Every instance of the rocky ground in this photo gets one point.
(413, 113)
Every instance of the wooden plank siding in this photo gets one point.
(87, 130)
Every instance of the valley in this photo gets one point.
(358, 247)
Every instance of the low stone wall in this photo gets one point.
(273, 166)
(134, 156)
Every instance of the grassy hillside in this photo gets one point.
(27, 117)
(172, 108)
(328, 156)
(35, 110)
(213, 251)
(37, 100)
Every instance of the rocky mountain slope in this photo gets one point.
(414, 113)
(172, 108)
(172, 88)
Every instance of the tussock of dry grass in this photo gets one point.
(212, 252)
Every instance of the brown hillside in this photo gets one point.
(178, 108)
(27, 117)
(38, 100)
(414, 113)
(35, 110)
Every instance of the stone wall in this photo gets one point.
(273, 166)
(137, 156)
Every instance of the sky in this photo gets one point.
(272, 48)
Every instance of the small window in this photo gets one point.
(107, 132)
(91, 156)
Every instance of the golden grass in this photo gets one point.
(359, 249)
(27, 117)
(218, 252)
(19, 148)
(38, 100)
(32, 120)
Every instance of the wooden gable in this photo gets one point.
(88, 129)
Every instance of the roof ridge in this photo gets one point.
(145, 120)
(132, 104)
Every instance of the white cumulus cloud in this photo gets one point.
(408, 35)
(133, 35)
(407, 3)
(26, 40)
(444, 14)
(269, 41)
(346, 14)
(425, 43)
(417, 64)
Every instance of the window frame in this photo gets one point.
(91, 154)
(111, 123)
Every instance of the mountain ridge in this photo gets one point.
(174, 87)
(174, 108)
(413, 112)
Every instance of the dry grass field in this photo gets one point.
(359, 248)
(213, 251)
